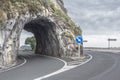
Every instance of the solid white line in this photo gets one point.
(87, 60)
(15, 66)
(63, 69)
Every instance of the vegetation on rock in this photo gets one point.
(69, 36)
(35, 6)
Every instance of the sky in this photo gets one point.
(98, 19)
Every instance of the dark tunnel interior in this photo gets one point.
(44, 31)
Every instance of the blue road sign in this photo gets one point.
(78, 39)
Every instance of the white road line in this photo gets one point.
(15, 66)
(63, 69)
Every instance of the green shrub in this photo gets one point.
(31, 41)
(69, 35)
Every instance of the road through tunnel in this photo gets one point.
(44, 31)
(53, 29)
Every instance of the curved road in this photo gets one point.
(36, 66)
(103, 66)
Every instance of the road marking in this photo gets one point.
(63, 69)
(25, 61)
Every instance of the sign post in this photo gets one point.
(110, 39)
(79, 40)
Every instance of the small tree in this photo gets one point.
(31, 41)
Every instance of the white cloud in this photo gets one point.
(95, 16)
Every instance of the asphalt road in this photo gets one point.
(35, 67)
(103, 66)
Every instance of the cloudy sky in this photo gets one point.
(99, 20)
(95, 16)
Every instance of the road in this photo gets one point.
(36, 66)
(103, 66)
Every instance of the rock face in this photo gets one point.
(45, 33)
(54, 31)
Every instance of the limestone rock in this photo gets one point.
(54, 31)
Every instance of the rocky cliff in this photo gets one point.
(53, 29)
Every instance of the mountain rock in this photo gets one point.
(53, 29)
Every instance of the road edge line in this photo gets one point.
(87, 60)
(62, 69)
(11, 68)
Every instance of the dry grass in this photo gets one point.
(3, 17)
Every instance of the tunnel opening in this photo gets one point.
(44, 31)
(27, 41)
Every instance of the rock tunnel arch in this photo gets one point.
(47, 32)
(44, 31)
(46, 21)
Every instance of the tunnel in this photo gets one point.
(52, 28)
(44, 31)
